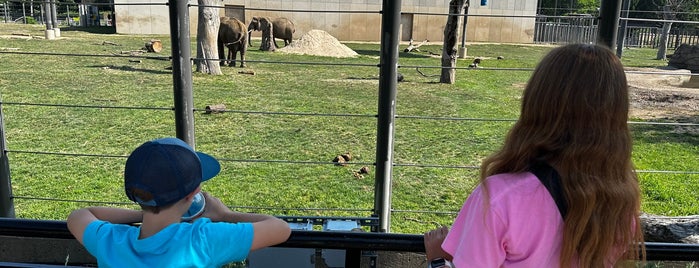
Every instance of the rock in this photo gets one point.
(685, 57)
(671, 229)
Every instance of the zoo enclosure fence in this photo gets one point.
(69, 14)
(409, 243)
(583, 29)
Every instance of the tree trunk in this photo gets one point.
(665, 34)
(267, 35)
(449, 52)
(207, 36)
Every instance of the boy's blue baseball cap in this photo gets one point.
(169, 169)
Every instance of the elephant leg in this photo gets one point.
(242, 58)
(287, 42)
(231, 57)
(222, 53)
(275, 42)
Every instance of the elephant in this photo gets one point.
(232, 33)
(281, 28)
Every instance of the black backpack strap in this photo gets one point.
(552, 181)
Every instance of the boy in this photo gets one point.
(163, 176)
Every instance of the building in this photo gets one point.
(502, 21)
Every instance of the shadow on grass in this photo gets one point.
(127, 68)
(91, 29)
(679, 134)
(414, 55)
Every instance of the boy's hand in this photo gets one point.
(215, 209)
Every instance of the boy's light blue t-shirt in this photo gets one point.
(199, 244)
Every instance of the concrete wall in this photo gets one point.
(424, 18)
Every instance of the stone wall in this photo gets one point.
(421, 19)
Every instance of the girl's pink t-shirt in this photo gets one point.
(521, 227)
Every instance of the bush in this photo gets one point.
(31, 20)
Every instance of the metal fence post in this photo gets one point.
(46, 14)
(54, 14)
(388, 79)
(621, 38)
(182, 70)
(7, 207)
(608, 22)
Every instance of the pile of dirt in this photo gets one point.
(319, 43)
(671, 95)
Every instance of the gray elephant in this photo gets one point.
(282, 28)
(232, 34)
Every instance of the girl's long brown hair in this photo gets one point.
(574, 117)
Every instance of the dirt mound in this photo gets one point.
(319, 43)
(670, 95)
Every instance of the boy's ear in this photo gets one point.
(191, 195)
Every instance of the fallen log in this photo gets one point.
(215, 109)
(154, 46)
(412, 47)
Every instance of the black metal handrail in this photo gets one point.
(334, 240)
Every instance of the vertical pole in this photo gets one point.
(41, 12)
(47, 15)
(620, 40)
(7, 207)
(462, 49)
(388, 76)
(608, 22)
(182, 70)
(24, 13)
(54, 14)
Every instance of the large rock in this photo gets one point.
(686, 57)
(671, 229)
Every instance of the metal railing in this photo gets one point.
(364, 241)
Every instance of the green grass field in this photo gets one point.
(276, 162)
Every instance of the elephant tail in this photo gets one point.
(233, 43)
(240, 39)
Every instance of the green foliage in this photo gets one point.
(268, 184)
(30, 20)
(587, 6)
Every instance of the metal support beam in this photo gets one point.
(46, 14)
(54, 14)
(621, 38)
(182, 70)
(7, 207)
(608, 22)
(388, 79)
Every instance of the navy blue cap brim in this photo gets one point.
(209, 166)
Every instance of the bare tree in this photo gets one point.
(207, 36)
(670, 9)
(449, 51)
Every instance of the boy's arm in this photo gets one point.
(79, 219)
(268, 230)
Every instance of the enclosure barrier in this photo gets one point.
(350, 241)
